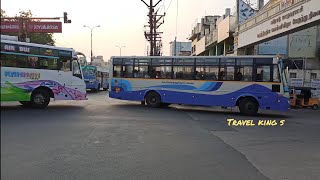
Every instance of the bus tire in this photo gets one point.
(315, 107)
(40, 98)
(153, 99)
(248, 106)
(25, 103)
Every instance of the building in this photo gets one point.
(287, 28)
(180, 48)
(290, 28)
(98, 61)
(214, 35)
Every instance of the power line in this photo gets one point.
(153, 35)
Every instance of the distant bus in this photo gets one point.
(33, 73)
(248, 82)
(95, 78)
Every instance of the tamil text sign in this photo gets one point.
(44, 27)
(10, 26)
(305, 12)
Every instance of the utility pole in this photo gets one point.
(153, 36)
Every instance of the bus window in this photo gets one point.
(183, 69)
(141, 68)
(227, 69)
(9, 60)
(21, 61)
(212, 68)
(117, 71)
(244, 69)
(76, 69)
(161, 68)
(66, 65)
(263, 73)
(276, 75)
(33, 62)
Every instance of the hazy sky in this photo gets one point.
(121, 22)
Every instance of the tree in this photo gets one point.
(40, 38)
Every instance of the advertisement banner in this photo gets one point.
(315, 83)
(44, 27)
(245, 11)
(303, 44)
(10, 26)
(274, 47)
(296, 82)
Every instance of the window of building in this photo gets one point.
(313, 75)
(293, 75)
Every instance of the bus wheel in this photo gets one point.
(25, 103)
(248, 106)
(153, 99)
(40, 99)
(315, 107)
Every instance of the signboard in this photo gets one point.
(296, 82)
(315, 83)
(303, 44)
(245, 11)
(10, 26)
(44, 27)
(306, 12)
(274, 47)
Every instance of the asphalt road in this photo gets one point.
(104, 138)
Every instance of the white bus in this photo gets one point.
(34, 73)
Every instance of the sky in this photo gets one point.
(121, 22)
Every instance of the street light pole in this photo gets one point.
(120, 47)
(91, 29)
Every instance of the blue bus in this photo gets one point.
(95, 78)
(247, 82)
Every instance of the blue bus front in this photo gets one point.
(89, 74)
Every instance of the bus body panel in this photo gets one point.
(199, 93)
(17, 84)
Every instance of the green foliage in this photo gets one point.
(40, 38)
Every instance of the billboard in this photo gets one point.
(10, 26)
(303, 44)
(245, 11)
(44, 27)
(274, 47)
(298, 15)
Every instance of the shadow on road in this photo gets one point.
(50, 107)
(205, 111)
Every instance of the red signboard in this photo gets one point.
(10, 26)
(44, 27)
